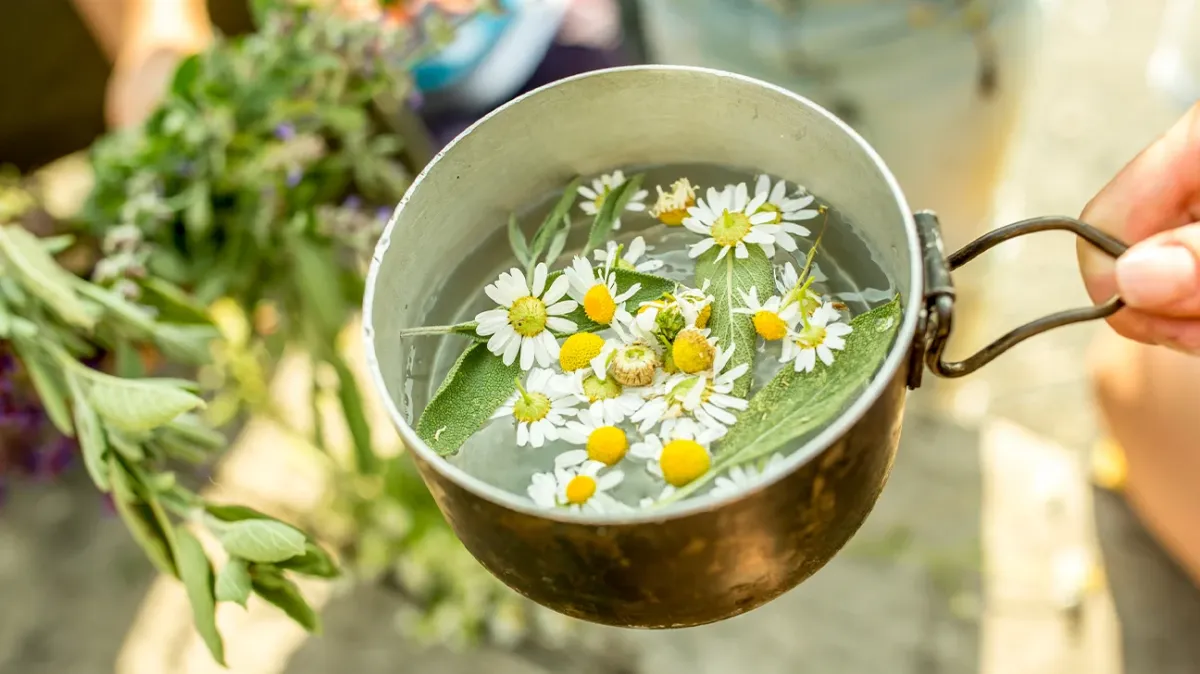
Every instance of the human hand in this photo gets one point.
(1153, 204)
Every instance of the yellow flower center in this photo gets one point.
(703, 316)
(772, 208)
(528, 316)
(671, 207)
(810, 337)
(579, 349)
(598, 202)
(692, 351)
(730, 228)
(531, 407)
(769, 325)
(607, 445)
(580, 489)
(599, 305)
(683, 461)
(601, 389)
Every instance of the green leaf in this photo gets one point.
(233, 582)
(314, 562)
(115, 307)
(476, 386)
(198, 218)
(283, 593)
(197, 575)
(137, 404)
(129, 447)
(235, 513)
(555, 221)
(188, 343)
(57, 244)
(173, 304)
(558, 242)
(190, 428)
(145, 519)
(315, 273)
(49, 384)
(129, 361)
(260, 540)
(27, 259)
(794, 404)
(652, 288)
(91, 437)
(610, 210)
(727, 279)
(517, 241)
(356, 418)
(185, 75)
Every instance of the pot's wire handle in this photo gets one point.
(937, 319)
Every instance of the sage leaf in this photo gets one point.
(314, 562)
(233, 582)
(516, 240)
(476, 386)
(794, 404)
(197, 575)
(260, 540)
(137, 404)
(191, 429)
(610, 210)
(90, 436)
(143, 516)
(551, 225)
(283, 593)
(49, 384)
(42, 276)
(727, 279)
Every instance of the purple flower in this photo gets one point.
(294, 175)
(352, 203)
(416, 100)
(383, 214)
(285, 131)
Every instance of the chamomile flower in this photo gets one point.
(630, 259)
(576, 488)
(785, 211)
(540, 407)
(678, 456)
(596, 289)
(741, 478)
(528, 312)
(661, 320)
(772, 320)
(790, 288)
(705, 398)
(730, 219)
(579, 350)
(628, 361)
(671, 207)
(603, 442)
(599, 191)
(819, 336)
(606, 398)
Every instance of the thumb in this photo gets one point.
(1161, 275)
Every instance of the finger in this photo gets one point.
(1157, 191)
(1181, 334)
(1161, 275)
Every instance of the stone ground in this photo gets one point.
(962, 567)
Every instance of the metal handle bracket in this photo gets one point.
(937, 316)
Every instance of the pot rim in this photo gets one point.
(896, 359)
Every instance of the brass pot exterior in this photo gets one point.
(701, 562)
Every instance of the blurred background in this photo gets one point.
(1002, 543)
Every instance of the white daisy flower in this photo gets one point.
(703, 397)
(529, 311)
(540, 407)
(819, 337)
(741, 478)
(606, 398)
(630, 259)
(596, 290)
(793, 292)
(603, 442)
(678, 457)
(665, 317)
(730, 219)
(772, 320)
(785, 211)
(671, 207)
(600, 189)
(579, 487)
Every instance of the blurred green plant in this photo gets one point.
(132, 430)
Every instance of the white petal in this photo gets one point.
(801, 215)
(570, 458)
(794, 204)
(557, 290)
(698, 249)
(838, 329)
(536, 437)
(561, 325)
(526, 349)
(740, 197)
(697, 226)
(720, 256)
(798, 230)
(586, 192)
(762, 185)
(755, 204)
(714, 200)
(762, 218)
(522, 434)
(609, 480)
(834, 342)
(539, 280)
(636, 248)
(825, 354)
(740, 251)
(547, 348)
(778, 192)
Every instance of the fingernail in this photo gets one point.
(1156, 276)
